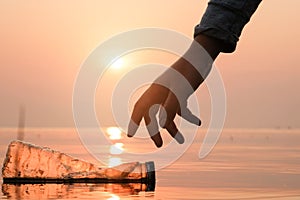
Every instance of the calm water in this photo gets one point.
(245, 164)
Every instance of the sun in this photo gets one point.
(118, 64)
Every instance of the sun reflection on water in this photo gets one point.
(114, 133)
(114, 161)
(114, 197)
(116, 148)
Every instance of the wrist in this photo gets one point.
(212, 45)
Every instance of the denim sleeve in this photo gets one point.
(225, 20)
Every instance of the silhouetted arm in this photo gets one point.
(218, 31)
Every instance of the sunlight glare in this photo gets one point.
(118, 63)
(114, 197)
(116, 148)
(114, 161)
(114, 133)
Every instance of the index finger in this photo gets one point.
(135, 120)
(152, 125)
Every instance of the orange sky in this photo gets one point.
(43, 44)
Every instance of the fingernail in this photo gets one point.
(157, 140)
(179, 138)
(199, 123)
(158, 145)
(132, 128)
(129, 135)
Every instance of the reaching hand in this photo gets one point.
(169, 93)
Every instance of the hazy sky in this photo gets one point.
(43, 43)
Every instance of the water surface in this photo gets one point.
(245, 164)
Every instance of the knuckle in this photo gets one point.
(164, 123)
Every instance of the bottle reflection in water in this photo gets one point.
(57, 191)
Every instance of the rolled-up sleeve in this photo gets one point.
(225, 20)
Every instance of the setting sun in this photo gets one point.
(118, 63)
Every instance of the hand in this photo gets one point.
(160, 97)
(169, 93)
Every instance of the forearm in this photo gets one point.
(218, 31)
(197, 62)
